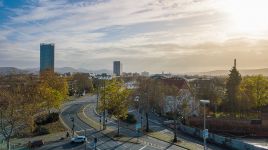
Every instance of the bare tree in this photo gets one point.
(11, 115)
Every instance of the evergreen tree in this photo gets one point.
(233, 89)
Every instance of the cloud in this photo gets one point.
(154, 35)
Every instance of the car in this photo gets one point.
(79, 139)
(35, 144)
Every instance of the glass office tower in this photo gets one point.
(46, 57)
(117, 68)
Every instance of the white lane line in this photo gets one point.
(156, 122)
(143, 147)
(83, 130)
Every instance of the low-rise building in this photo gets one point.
(183, 101)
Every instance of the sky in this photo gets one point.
(175, 36)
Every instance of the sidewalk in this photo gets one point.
(49, 138)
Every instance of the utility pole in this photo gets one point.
(104, 125)
(86, 140)
(146, 114)
(100, 122)
(72, 119)
(205, 130)
(98, 94)
(205, 142)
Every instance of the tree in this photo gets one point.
(173, 106)
(211, 89)
(146, 95)
(255, 91)
(233, 89)
(114, 98)
(10, 117)
(82, 83)
(53, 90)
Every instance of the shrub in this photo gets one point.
(53, 117)
(169, 116)
(40, 130)
(46, 119)
(130, 119)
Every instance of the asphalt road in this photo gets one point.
(81, 128)
(156, 124)
(71, 109)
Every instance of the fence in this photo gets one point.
(220, 140)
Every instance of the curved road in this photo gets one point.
(71, 109)
(81, 128)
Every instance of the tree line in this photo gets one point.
(236, 96)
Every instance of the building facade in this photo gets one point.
(47, 57)
(117, 70)
(145, 74)
(184, 101)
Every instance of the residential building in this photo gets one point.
(47, 57)
(117, 70)
(183, 101)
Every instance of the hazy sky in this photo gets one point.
(153, 35)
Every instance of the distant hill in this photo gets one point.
(243, 72)
(13, 70)
(73, 70)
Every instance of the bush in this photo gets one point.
(130, 119)
(46, 119)
(169, 116)
(40, 130)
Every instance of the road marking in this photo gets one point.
(156, 122)
(143, 147)
(83, 130)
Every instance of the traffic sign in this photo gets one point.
(205, 133)
(138, 126)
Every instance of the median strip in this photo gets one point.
(108, 131)
(111, 133)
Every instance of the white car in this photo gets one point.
(79, 139)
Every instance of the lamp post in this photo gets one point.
(72, 119)
(104, 125)
(204, 102)
(104, 78)
(137, 99)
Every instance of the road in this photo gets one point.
(104, 142)
(155, 124)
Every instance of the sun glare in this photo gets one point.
(248, 16)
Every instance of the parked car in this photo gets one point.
(79, 139)
(35, 144)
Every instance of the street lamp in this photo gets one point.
(204, 102)
(137, 99)
(72, 119)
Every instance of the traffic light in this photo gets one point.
(95, 140)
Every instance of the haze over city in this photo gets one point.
(173, 36)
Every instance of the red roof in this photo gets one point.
(180, 83)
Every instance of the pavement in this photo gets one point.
(144, 142)
(155, 125)
(81, 128)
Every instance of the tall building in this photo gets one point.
(145, 74)
(47, 56)
(117, 68)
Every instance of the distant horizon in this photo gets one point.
(166, 72)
